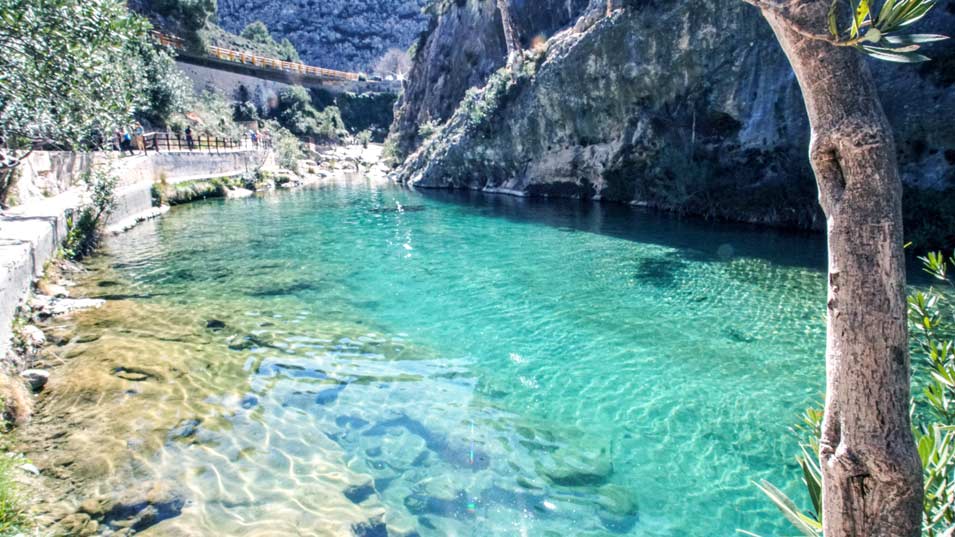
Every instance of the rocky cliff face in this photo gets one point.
(688, 106)
(339, 34)
(463, 45)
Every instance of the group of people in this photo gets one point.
(257, 137)
(130, 140)
(133, 141)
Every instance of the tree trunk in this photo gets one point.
(515, 55)
(872, 475)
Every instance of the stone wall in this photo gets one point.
(264, 92)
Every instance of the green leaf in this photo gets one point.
(833, 18)
(813, 485)
(862, 12)
(911, 39)
(806, 525)
(884, 12)
(897, 57)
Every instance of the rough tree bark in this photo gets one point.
(872, 475)
(515, 56)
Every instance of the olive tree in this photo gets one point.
(65, 79)
(872, 475)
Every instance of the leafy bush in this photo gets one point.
(481, 103)
(288, 149)
(364, 138)
(428, 129)
(257, 32)
(84, 231)
(192, 14)
(167, 91)
(374, 111)
(296, 113)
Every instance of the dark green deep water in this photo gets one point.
(455, 364)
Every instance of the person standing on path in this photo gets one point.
(140, 137)
(126, 142)
(189, 137)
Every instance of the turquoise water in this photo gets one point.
(453, 364)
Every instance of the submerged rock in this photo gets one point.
(372, 528)
(576, 469)
(360, 493)
(250, 342)
(77, 525)
(215, 325)
(134, 509)
(134, 374)
(617, 500)
(46, 306)
(184, 429)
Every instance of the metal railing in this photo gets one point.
(171, 142)
(248, 58)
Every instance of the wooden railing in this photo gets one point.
(248, 58)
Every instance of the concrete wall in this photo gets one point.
(31, 233)
(264, 92)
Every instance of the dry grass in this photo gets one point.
(16, 404)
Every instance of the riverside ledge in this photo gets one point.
(31, 233)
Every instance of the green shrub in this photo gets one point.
(481, 103)
(295, 112)
(288, 149)
(83, 231)
(167, 91)
(364, 137)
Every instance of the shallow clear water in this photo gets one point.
(449, 365)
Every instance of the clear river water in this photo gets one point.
(367, 360)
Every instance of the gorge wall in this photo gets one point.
(686, 106)
(338, 34)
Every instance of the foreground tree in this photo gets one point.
(67, 79)
(872, 475)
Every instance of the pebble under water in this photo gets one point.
(372, 361)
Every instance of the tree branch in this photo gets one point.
(785, 14)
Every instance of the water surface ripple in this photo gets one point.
(373, 361)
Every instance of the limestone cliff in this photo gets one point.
(340, 34)
(688, 106)
(463, 45)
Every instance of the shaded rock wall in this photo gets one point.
(463, 45)
(688, 106)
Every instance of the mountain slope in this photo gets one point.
(338, 34)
